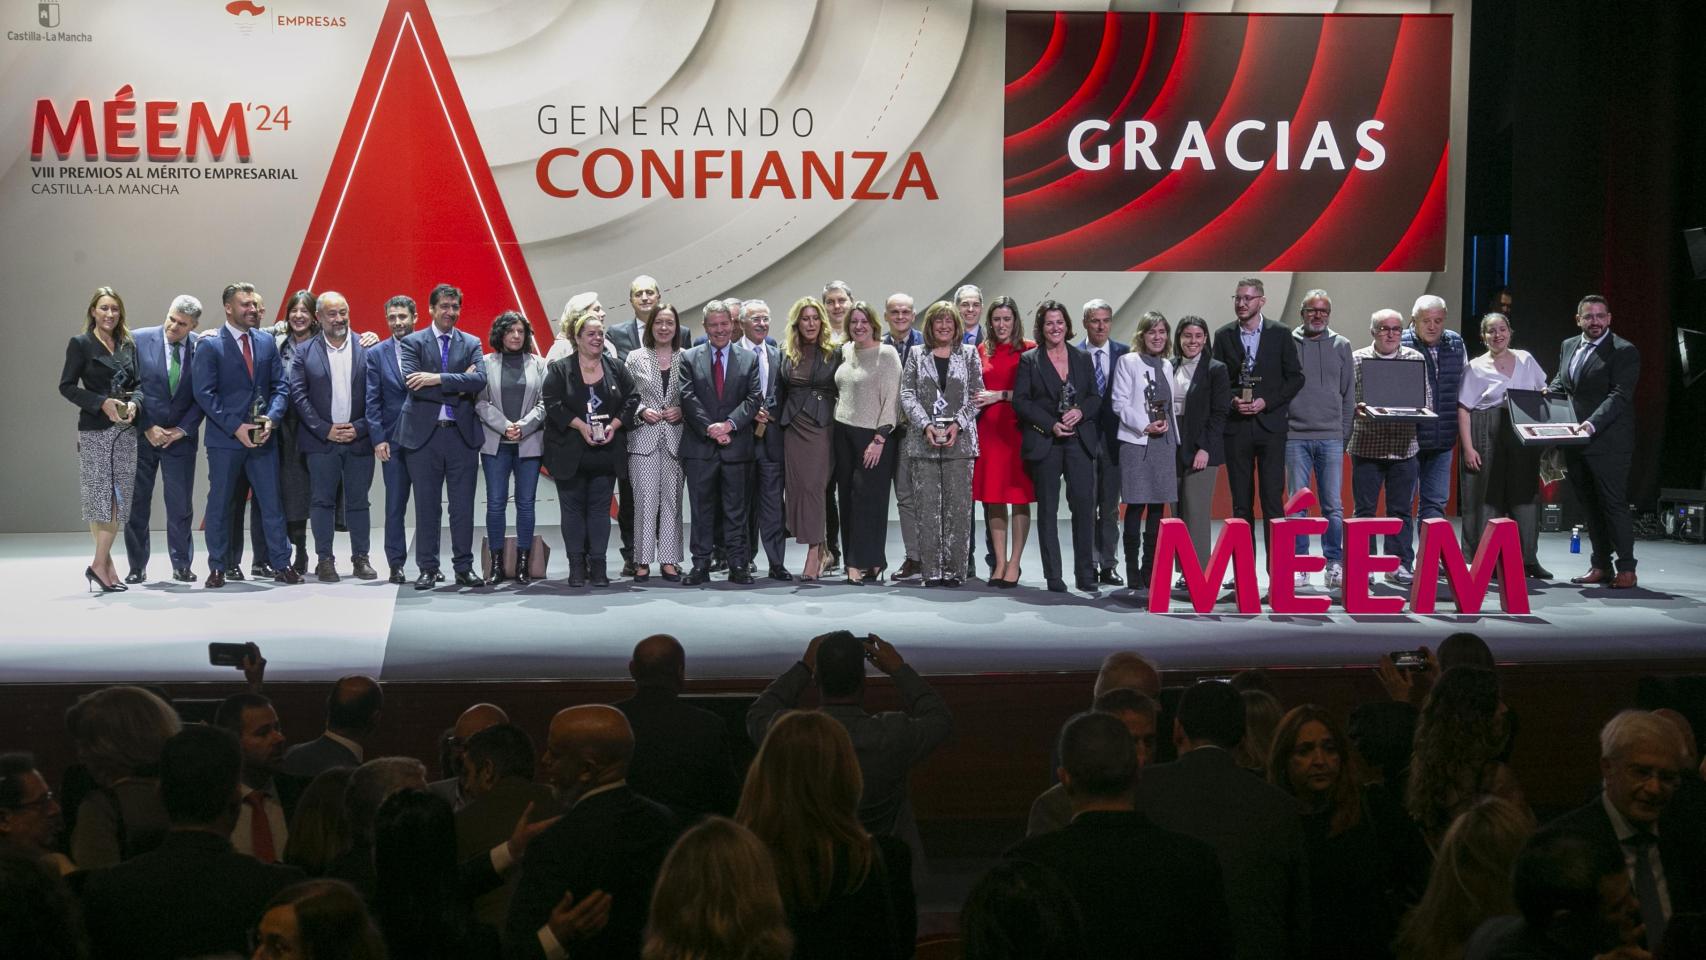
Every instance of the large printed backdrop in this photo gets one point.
(531, 150)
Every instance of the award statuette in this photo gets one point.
(1152, 402)
(258, 418)
(940, 422)
(123, 386)
(1247, 380)
(1068, 400)
(598, 424)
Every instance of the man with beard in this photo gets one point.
(268, 796)
(1318, 426)
(385, 395)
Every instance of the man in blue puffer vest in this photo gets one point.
(1444, 354)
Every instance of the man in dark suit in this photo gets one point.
(328, 388)
(1254, 347)
(352, 714)
(719, 401)
(1663, 851)
(441, 435)
(764, 490)
(236, 374)
(497, 780)
(1598, 371)
(968, 300)
(384, 406)
(601, 859)
(170, 421)
(1254, 827)
(1573, 901)
(899, 314)
(1142, 890)
(681, 758)
(268, 794)
(193, 896)
(1104, 354)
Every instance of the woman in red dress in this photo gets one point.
(999, 480)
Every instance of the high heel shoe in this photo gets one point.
(875, 574)
(96, 584)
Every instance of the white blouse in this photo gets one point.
(1484, 386)
(1184, 371)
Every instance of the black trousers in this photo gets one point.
(764, 512)
(1066, 457)
(625, 516)
(716, 492)
(864, 495)
(1601, 485)
(1255, 466)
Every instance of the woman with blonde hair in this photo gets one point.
(807, 380)
(118, 732)
(846, 893)
(1149, 480)
(577, 306)
(99, 374)
(716, 899)
(1471, 881)
(867, 410)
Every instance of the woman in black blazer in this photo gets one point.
(589, 399)
(99, 374)
(1056, 400)
(1202, 394)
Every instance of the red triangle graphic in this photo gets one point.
(409, 200)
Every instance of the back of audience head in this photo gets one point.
(1098, 762)
(1384, 733)
(39, 918)
(1021, 911)
(200, 769)
(252, 719)
(1262, 713)
(471, 721)
(119, 731)
(414, 869)
(658, 661)
(1255, 678)
(496, 753)
(587, 746)
(1470, 881)
(840, 669)
(1128, 670)
(1309, 761)
(320, 829)
(353, 707)
(1641, 759)
(374, 781)
(1460, 732)
(716, 896)
(1464, 649)
(801, 798)
(1211, 713)
(1574, 892)
(318, 920)
(29, 814)
(1138, 712)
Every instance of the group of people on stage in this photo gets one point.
(806, 436)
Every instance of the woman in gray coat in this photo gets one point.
(938, 395)
(654, 444)
(512, 407)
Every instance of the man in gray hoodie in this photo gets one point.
(1319, 423)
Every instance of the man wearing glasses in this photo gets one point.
(1266, 374)
(1383, 452)
(29, 814)
(1318, 426)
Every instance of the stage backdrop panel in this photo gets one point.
(753, 148)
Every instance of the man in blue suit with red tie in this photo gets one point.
(170, 420)
(236, 373)
(328, 388)
(385, 396)
(440, 435)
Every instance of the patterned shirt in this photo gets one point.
(1374, 439)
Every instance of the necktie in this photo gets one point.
(175, 368)
(717, 374)
(763, 371)
(445, 412)
(1579, 359)
(1101, 375)
(260, 828)
(248, 356)
(1647, 886)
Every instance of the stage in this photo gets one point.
(158, 632)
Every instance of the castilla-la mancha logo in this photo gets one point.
(47, 14)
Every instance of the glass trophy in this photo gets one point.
(123, 389)
(1247, 380)
(940, 421)
(258, 418)
(598, 424)
(1068, 400)
(1153, 403)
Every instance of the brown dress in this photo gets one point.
(808, 404)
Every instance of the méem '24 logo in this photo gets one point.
(240, 7)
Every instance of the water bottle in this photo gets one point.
(1576, 539)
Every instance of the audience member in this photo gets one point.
(1460, 737)
(352, 714)
(1253, 826)
(269, 797)
(1111, 856)
(497, 779)
(194, 895)
(318, 920)
(320, 828)
(589, 878)
(420, 900)
(888, 744)
(369, 785)
(478, 717)
(716, 896)
(118, 732)
(38, 915)
(29, 814)
(1470, 881)
(1053, 808)
(1262, 713)
(1256, 678)
(1021, 911)
(681, 758)
(1574, 900)
(848, 893)
(1128, 670)
(1641, 758)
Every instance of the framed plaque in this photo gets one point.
(1543, 421)
(1396, 389)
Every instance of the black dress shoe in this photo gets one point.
(185, 574)
(261, 571)
(300, 562)
(741, 574)
(1537, 572)
(234, 573)
(466, 578)
(1056, 585)
(779, 572)
(326, 571)
(627, 568)
(136, 576)
(1087, 584)
(288, 576)
(951, 582)
(671, 577)
(362, 569)
(934, 582)
(215, 579)
(426, 580)
(596, 575)
(397, 575)
(696, 576)
(719, 564)
(1111, 577)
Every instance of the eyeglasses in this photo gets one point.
(1642, 773)
(46, 799)
(1388, 328)
(1317, 309)
(1244, 299)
